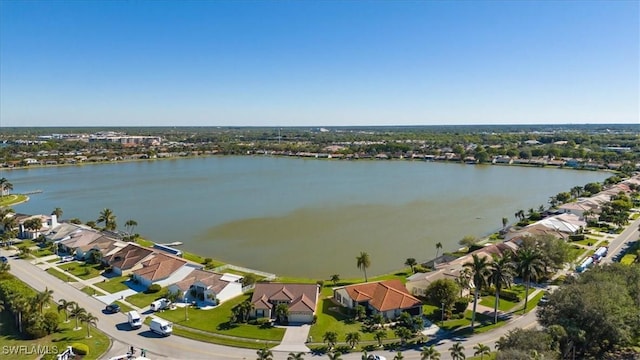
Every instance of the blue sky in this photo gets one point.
(312, 63)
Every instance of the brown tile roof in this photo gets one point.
(383, 295)
(129, 256)
(209, 278)
(159, 267)
(104, 244)
(300, 297)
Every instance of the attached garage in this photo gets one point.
(300, 317)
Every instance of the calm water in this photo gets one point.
(299, 217)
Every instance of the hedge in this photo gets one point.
(80, 349)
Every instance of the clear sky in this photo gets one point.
(312, 63)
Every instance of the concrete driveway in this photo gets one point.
(294, 339)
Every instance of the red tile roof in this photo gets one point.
(383, 295)
(159, 267)
(129, 256)
(300, 297)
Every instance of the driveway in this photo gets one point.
(108, 299)
(294, 339)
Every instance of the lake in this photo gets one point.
(299, 217)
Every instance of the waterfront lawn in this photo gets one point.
(59, 274)
(114, 285)
(8, 200)
(98, 343)
(142, 300)
(82, 270)
(217, 321)
(331, 318)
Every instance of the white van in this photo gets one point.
(134, 319)
(160, 304)
(160, 326)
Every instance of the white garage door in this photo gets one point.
(301, 317)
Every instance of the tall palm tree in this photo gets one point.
(42, 298)
(352, 338)
(334, 279)
(501, 272)
(429, 353)
(5, 186)
(457, 351)
(108, 218)
(90, 320)
(438, 248)
(363, 262)
(130, 225)
(19, 306)
(481, 350)
(64, 305)
(411, 262)
(464, 280)
(57, 212)
(331, 338)
(77, 312)
(505, 221)
(479, 269)
(265, 354)
(529, 265)
(295, 356)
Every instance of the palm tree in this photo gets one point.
(505, 221)
(364, 356)
(457, 351)
(295, 356)
(398, 356)
(479, 268)
(334, 355)
(379, 335)
(282, 312)
(42, 298)
(19, 305)
(34, 224)
(77, 312)
(429, 353)
(363, 262)
(411, 262)
(64, 305)
(265, 354)
(57, 212)
(352, 338)
(108, 218)
(330, 337)
(481, 350)
(90, 320)
(529, 265)
(464, 280)
(438, 248)
(130, 225)
(5, 186)
(501, 272)
(334, 279)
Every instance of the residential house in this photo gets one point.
(104, 246)
(389, 298)
(207, 286)
(128, 259)
(301, 300)
(158, 267)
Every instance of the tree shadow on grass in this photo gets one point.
(227, 326)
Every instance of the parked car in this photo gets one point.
(376, 357)
(112, 308)
(3, 259)
(66, 258)
(160, 304)
(134, 319)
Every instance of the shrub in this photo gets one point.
(320, 283)
(154, 288)
(460, 305)
(80, 349)
(510, 295)
(35, 330)
(51, 321)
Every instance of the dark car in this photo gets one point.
(112, 308)
(3, 259)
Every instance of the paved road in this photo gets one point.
(619, 243)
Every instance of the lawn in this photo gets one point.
(8, 200)
(586, 242)
(42, 252)
(142, 300)
(98, 343)
(534, 301)
(59, 274)
(124, 307)
(503, 305)
(628, 259)
(82, 270)
(90, 291)
(114, 285)
(462, 326)
(216, 321)
(331, 319)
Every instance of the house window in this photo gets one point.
(339, 297)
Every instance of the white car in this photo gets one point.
(376, 357)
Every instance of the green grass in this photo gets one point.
(82, 270)
(586, 242)
(503, 305)
(98, 343)
(484, 323)
(331, 318)
(575, 252)
(9, 200)
(141, 299)
(59, 274)
(90, 291)
(216, 321)
(491, 356)
(144, 242)
(42, 252)
(628, 259)
(124, 307)
(534, 301)
(634, 216)
(113, 285)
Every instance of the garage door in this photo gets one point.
(300, 317)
